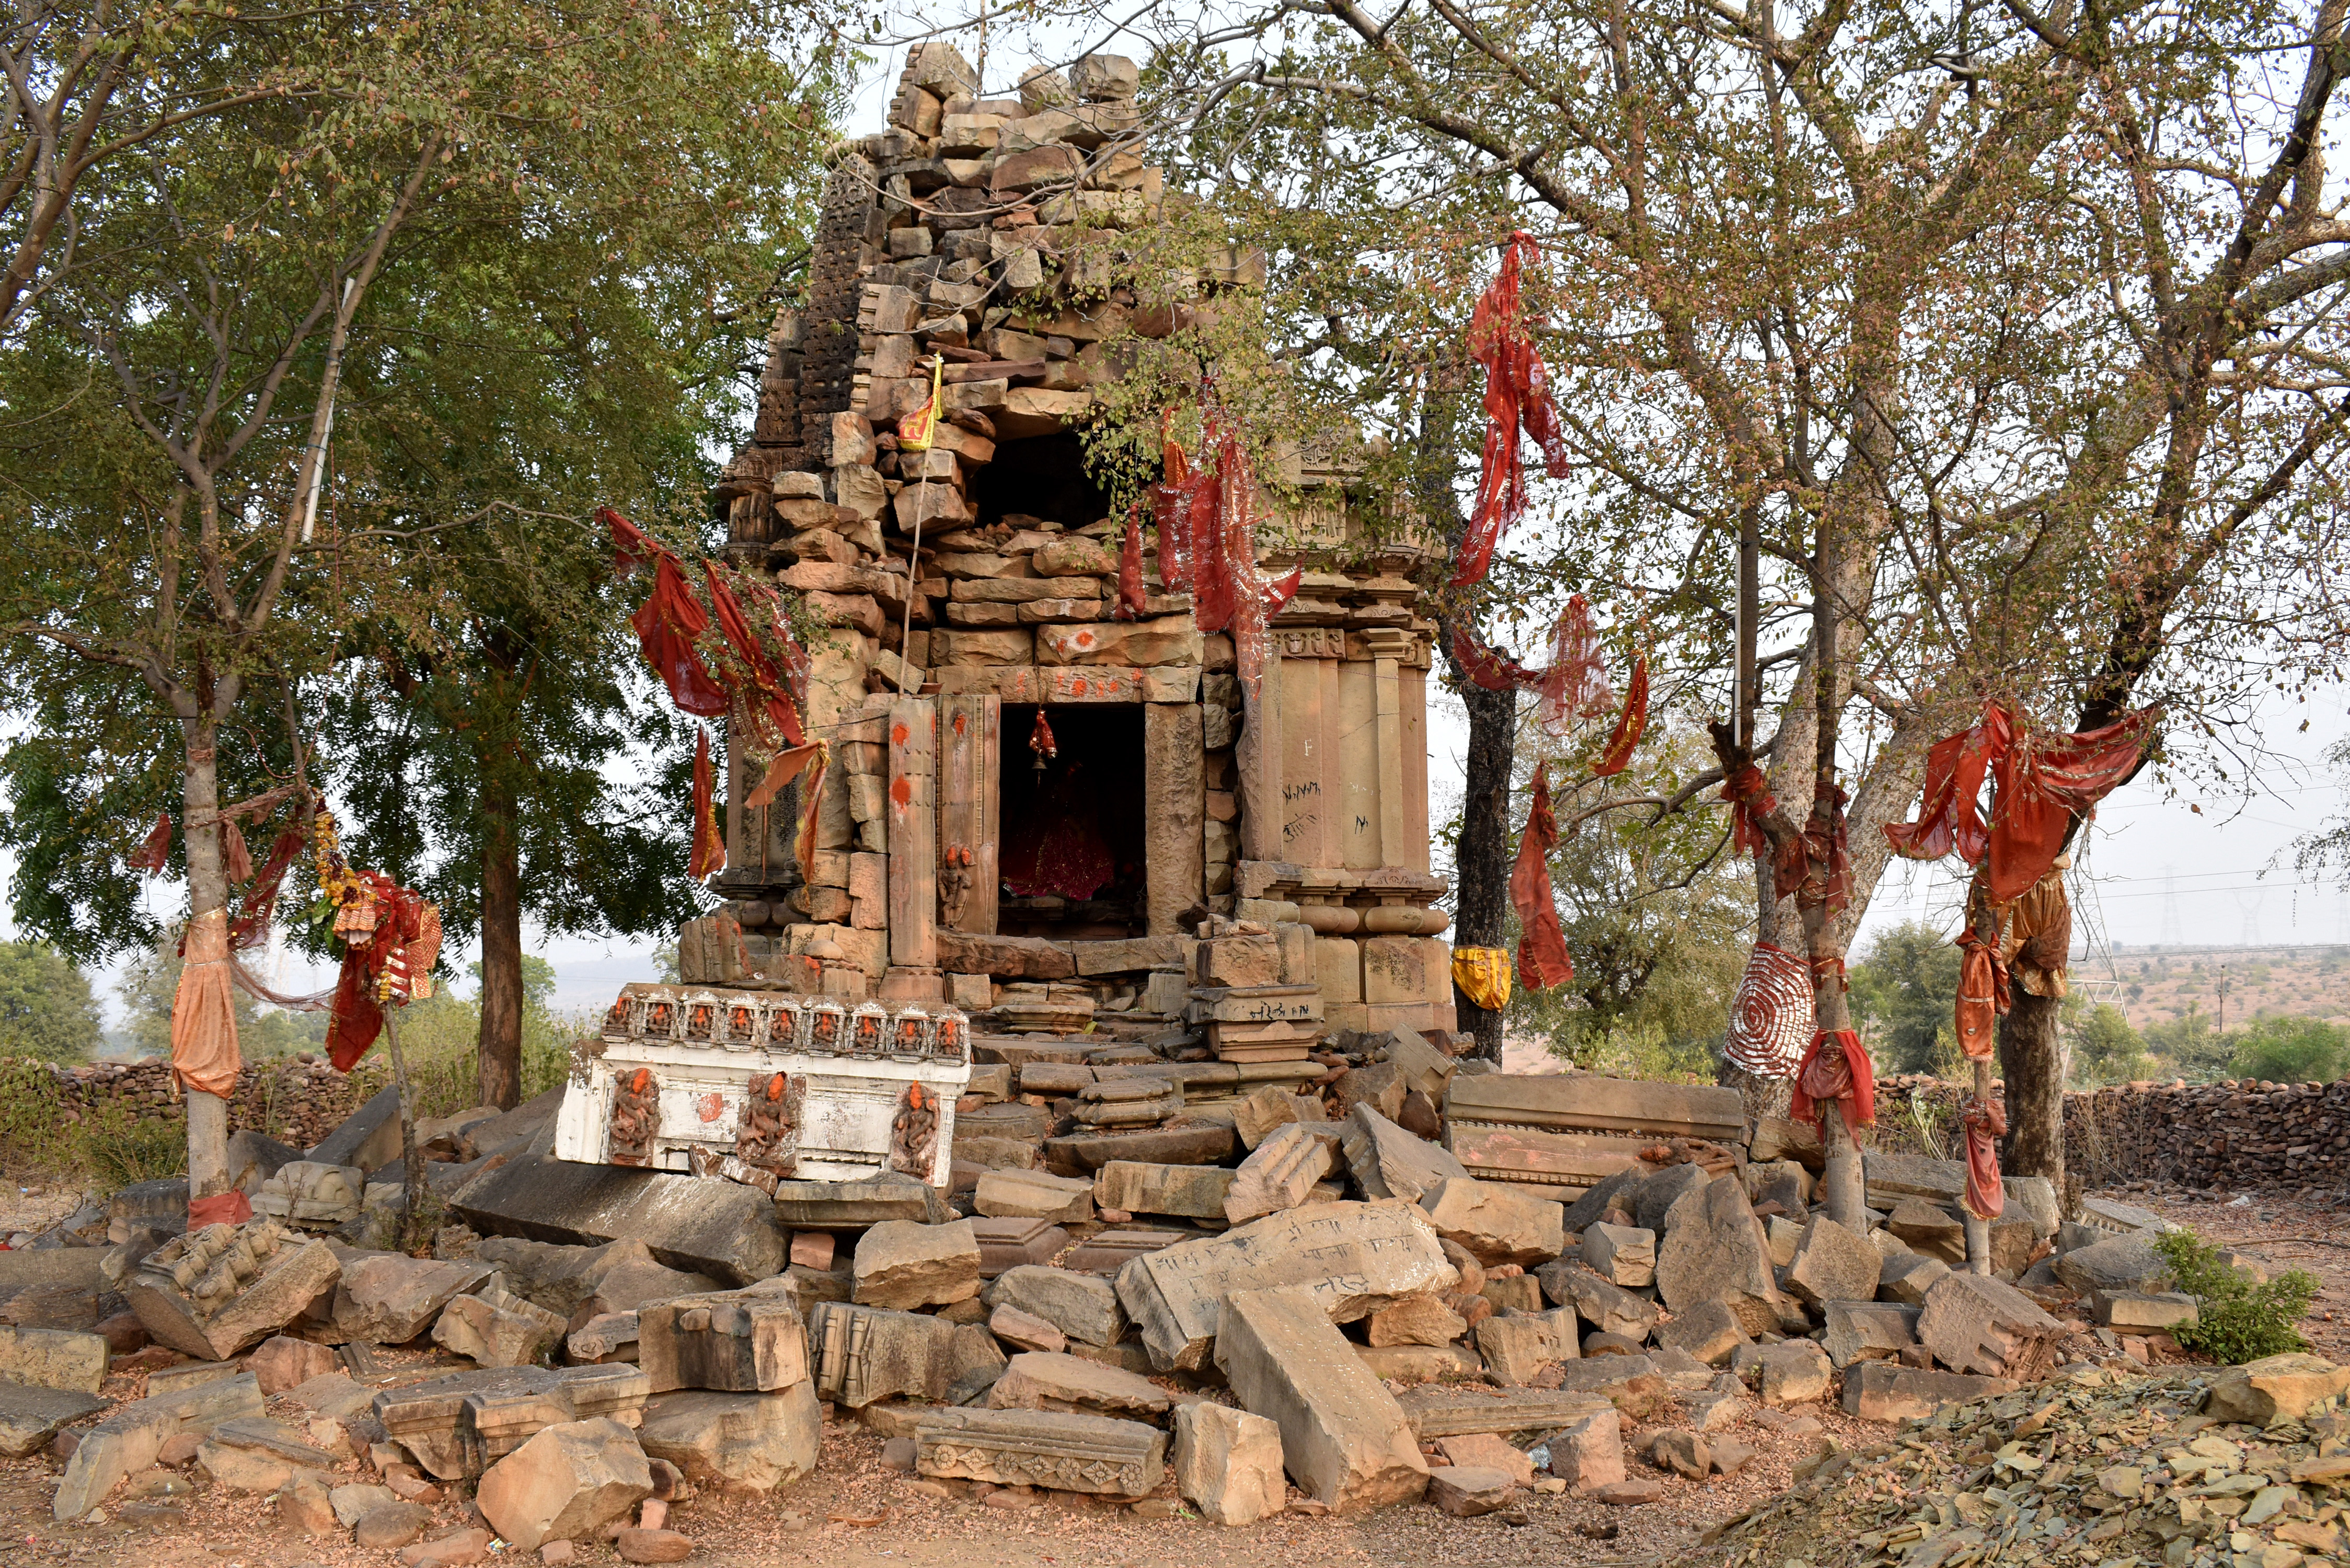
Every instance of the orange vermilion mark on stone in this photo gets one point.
(898, 736)
(902, 791)
(711, 1106)
(1077, 687)
(959, 720)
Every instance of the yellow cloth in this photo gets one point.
(1483, 976)
(917, 430)
(203, 1015)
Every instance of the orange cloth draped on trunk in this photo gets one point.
(1985, 1121)
(1542, 959)
(1835, 1067)
(1982, 997)
(203, 1015)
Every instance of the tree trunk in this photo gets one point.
(2032, 1060)
(1481, 865)
(500, 1049)
(207, 891)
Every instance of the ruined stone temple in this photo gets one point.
(1046, 878)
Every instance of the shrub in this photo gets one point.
(2235, 1320)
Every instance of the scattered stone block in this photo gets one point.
(854, 1205)
(30, 1416)
(638, 1545)
(1191, 1191)
(1488, 1450)
(52, 1358)
(1628, 1493)
(2129, 1313)
(1354, 1258)
(497, 1328)
(862, 1354)
(1794, 1372)
(1064, 1451)
(461, 1425)
(1713, 1250)
(1467, 1491)
(1343, 1436)
(1419, 1363)
(1418, 1320)
(733, 1233)
(1084, 1307)
(813, 1250)
(1387, 1161)
(1652, 1200)
(1036, 1380)
(1607, 1306)
(1518, 1346)
(1881, 1391)
(1269, 1109)
(1683, 1453)
(577, 1284)
(1437, 1413)
(606, 1337)
(212, 1294)
(1729, 1455)
(1929, 1228)
(306, 1505)
(355, 1503)
(1026, 1331)
(1495, 1224)
(2119, 1265)
(1833, 1264)
(1228, 1463)
(737, 1342)
(392, 1525)
(311, 1194)
(386, 1298)
(452, 1549)
(901, 1265)
(1513, 1293)
(1621, 1254)
(1588, 1452)
(2274, 1389)
(1784, 1237)
(280, 1363)
(1905, 1279)
(1282, 1171)
(129, 1439)
(1011, 1243)
(1706, 1329)
(1868, 1331)
(1035, 1195)
(252, 1453)
(736, 1442)
(1975, 1323)
(564, 1484)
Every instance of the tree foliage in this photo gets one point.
(46, 1009)
(1906, 987)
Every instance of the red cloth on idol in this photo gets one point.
(357, 1018)
(2039, 783)
(1630, 725)
(1840, 1072)
(1517, 398)
(1985, 1123)
(1543, 957)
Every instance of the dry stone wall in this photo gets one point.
(299, 1099)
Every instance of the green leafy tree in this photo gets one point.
(2106, 1050)
(1906, 988)
(2290, 1050)
(201, 407)
(2236, 1320)
(46, 1009)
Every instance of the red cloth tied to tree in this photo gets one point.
(1985, 1123)
(708, 855)
(1750, 800)
(667, 625)
(1170, 508)
(1130, 570)
(1543, 957)
(259, 906)
(1489, 667)
(2039, 783)
(1835, 1068)
(1630, 725)
(1982, 997)
(1820, 870)
(1517, 398)
(1207, 524)
(154, 851)
(1576, 684)
(775, 710)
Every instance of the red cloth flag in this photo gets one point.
(1517, 398)
(1543, 957)
(1629, 726)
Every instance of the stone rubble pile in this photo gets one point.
(2199, 1467)
(1153, 1283)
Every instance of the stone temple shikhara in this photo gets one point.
(963, 856)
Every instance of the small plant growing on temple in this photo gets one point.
(2236, 1320)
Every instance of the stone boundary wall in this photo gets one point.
(2234, 1133)
(299, 1099)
